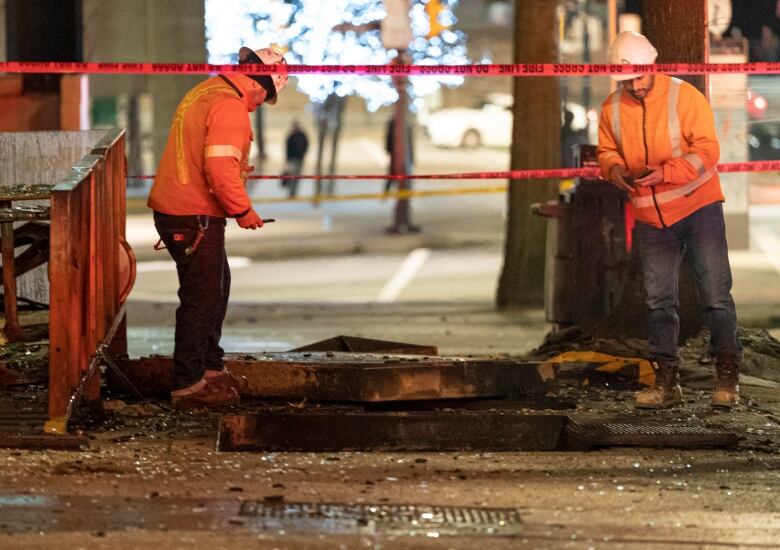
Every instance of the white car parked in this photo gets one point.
(488, 125)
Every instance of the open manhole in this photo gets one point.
(648, 434)
(444, 520)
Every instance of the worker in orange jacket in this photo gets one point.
(657, 142)
(200, 182)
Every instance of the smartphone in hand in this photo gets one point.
(630, 180)
(646, 172)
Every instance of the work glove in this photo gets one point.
(250, 220)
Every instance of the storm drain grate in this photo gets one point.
(650, 434)
(387, 516)
(22, 408)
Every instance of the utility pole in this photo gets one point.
(536, 106)
(402, 212)
(396, 32)
(679, 32)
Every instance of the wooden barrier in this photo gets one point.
(91, 271)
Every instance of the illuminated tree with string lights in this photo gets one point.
(314, 32)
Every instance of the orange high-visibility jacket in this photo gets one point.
(674, 128)
(200, 172)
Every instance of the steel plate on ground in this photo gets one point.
(443, 430)
(648, 434)
(361, 377)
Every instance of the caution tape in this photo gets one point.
(557, 173)
(403, 194)
(554, 173)
(489, 70)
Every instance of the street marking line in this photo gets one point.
(406, 272)
(769, 244)
(155, 265)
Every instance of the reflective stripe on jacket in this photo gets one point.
(207, 149)
(672, 127)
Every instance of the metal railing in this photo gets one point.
(91, 271)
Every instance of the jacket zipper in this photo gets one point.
(644, 141)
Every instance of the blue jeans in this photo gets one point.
(703, 236)
(204, 287)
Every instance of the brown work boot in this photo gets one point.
(726, 392)
(203, 395)
(221, 379)
(665, 393)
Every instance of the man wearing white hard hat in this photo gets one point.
(200, 182)
(657, 142)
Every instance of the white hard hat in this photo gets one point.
(265, 56)
(630, 48)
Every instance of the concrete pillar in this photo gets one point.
(145, 31)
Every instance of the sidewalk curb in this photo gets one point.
(330, 245)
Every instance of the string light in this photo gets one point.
(314, 32)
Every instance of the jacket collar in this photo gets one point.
(242, 85)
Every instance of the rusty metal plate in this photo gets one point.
(356, 344)
(649, 434)
(365, 377)
(443, 430)
(444, 520)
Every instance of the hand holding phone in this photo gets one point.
(650, 176)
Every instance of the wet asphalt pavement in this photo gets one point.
(154, 478)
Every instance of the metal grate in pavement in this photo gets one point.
(22, 416)
(651, 434)
(22, 411)
(388, 517)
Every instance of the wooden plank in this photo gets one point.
(88, 210)
(118, 184)
(87, 337)
(64, 305)
(417, 431)
(12, 329)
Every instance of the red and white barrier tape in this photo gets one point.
(555, 173)
(517, 69)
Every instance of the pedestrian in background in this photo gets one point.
(390, 148)
(295, 151)
(569, 138)
(200, 182)
(657, 142)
